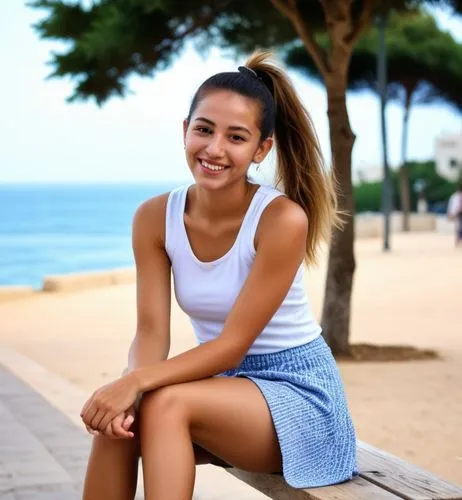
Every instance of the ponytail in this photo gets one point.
(300, 170)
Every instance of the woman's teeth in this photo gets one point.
(210, 166)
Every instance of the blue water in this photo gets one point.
(58, 229)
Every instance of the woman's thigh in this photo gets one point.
(227, 416)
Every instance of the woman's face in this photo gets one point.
(222, 139)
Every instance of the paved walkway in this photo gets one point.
(42, 453)
(44, 449)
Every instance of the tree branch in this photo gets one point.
(363, 21)
(286, 10)
(204, 22)
(305, 33)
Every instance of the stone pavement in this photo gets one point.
(44, 450)
(42, 453)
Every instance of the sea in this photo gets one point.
(59, 229)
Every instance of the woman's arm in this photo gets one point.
(280, 245)
(281, 241)
(151, 343)
(152, 339)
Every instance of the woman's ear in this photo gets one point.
(263, 149)
(185, 130)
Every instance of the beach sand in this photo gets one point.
(411, 295)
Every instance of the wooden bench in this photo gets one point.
(382, 477)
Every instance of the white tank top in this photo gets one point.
(206, 291)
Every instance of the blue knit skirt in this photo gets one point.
(305, 394)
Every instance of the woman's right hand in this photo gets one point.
(119, 426)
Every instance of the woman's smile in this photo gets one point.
(212, 168)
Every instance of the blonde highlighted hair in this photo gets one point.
(300, 170)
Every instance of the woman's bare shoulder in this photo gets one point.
(149, 219)
(282, 217)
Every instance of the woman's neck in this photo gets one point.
(226, 203)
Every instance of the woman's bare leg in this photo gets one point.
(228, 417)
(112, 469)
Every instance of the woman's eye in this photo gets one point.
(203, 130)
(237, 138)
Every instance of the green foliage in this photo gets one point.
(113, 39)
(367, 195)
(424, 63)
(437, 189)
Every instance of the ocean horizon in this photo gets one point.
(59, 228)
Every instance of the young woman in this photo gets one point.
(261, 391)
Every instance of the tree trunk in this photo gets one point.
(333, 65)
(339, 282)
(404, 170)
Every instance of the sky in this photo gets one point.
(43, 139)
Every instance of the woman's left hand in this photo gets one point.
(109, 401)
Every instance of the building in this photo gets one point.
(365, 172)
(448, 156)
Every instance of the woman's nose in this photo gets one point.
(215, 147)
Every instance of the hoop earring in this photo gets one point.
(258, 167)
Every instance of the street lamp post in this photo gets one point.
(382, 91)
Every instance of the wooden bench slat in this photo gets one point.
(356, 489)
(383, 476)
(401, 478)
(274, 486)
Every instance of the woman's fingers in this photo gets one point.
(119, 429)
(85, 406)
(90, 408)
(130, 412)
(106, 420)
(91, 431)
(84, 412)
(129, 418)
(87, 412)
(105, 404)
(109, 431)
(115, 430)
(95, 422)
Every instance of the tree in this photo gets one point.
(112, 39)
(437, 189)
(424, 67)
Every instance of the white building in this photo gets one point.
(448, 156)
(365, 172)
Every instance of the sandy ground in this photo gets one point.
(412, 295)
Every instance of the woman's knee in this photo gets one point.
(169, 405)
(165, 403)
(110, 446)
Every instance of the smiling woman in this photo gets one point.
(223, 132)
(222, 138)
(261, 391)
